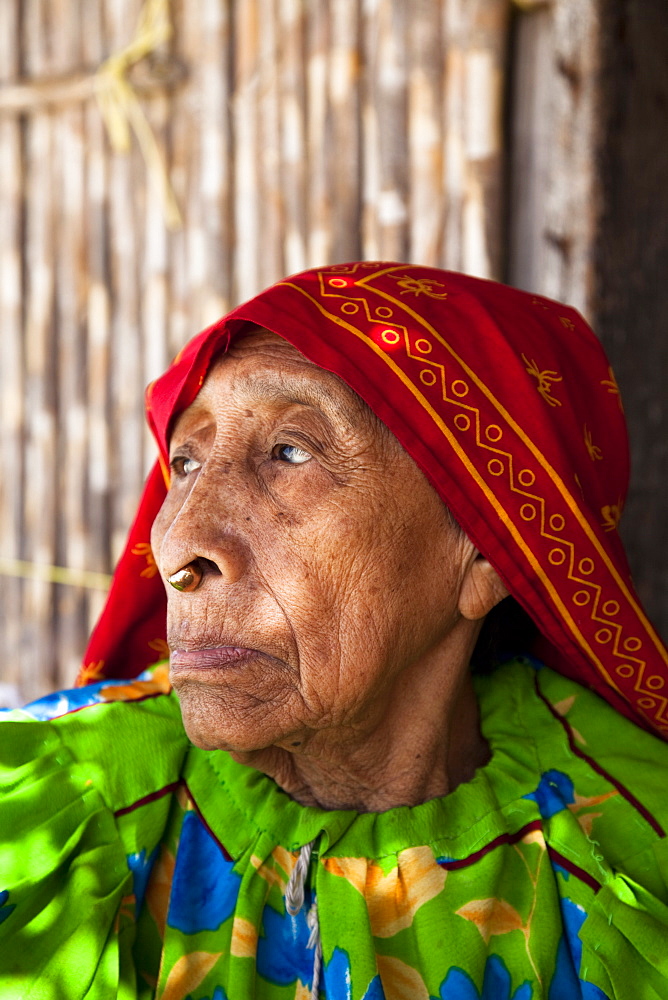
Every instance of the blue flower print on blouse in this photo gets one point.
(336, 975)
(283, 955)
(554, 793)
(497, 984)
(374, 990)
(140, 865)
(337, 979)
(6, 909)
(205, 886)
(566, 983)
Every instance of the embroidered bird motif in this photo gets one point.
(544, 380)
(421, 286)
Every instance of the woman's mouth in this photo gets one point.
(212, 657)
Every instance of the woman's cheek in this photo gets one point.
(299, 492)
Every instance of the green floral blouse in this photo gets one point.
(133, 865)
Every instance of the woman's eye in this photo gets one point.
(291, 453)
(183, 466)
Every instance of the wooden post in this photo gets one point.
(98, 487)
(200, 149)
(385, 129)
(38, 660)
(342, 150)
(427, 134)
(274, 177)
(475, 46)
(12, 415)
(631, 255)
(293, 170)
(246, 151)
(71, 431)
(554, 196)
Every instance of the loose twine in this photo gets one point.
(26, 570)
(294, 900)
(121, 109)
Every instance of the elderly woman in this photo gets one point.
(357, 468)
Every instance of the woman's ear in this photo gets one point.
(481, 589)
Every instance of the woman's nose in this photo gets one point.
(202, 542)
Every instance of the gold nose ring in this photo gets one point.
(186, 579)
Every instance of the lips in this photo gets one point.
(212, 657)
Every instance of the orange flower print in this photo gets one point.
(595, 452)
(400, 981)
(492, 916)
(144, 549)
(187, 973)
(611, 385)
(611, 514)
(161, 648)
(89, 673)
(393, 898)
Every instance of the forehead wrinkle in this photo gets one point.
(262, 387)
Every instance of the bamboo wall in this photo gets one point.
(241, 141)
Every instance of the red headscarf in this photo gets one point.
(507, 403)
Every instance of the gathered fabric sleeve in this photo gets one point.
(71, 768)
(611, 820)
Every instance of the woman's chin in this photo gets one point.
(216, 727)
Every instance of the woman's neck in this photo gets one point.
(426, 743)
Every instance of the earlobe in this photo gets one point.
(481, 589)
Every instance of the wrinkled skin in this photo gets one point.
(339, 603)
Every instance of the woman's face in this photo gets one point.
(331, 567)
